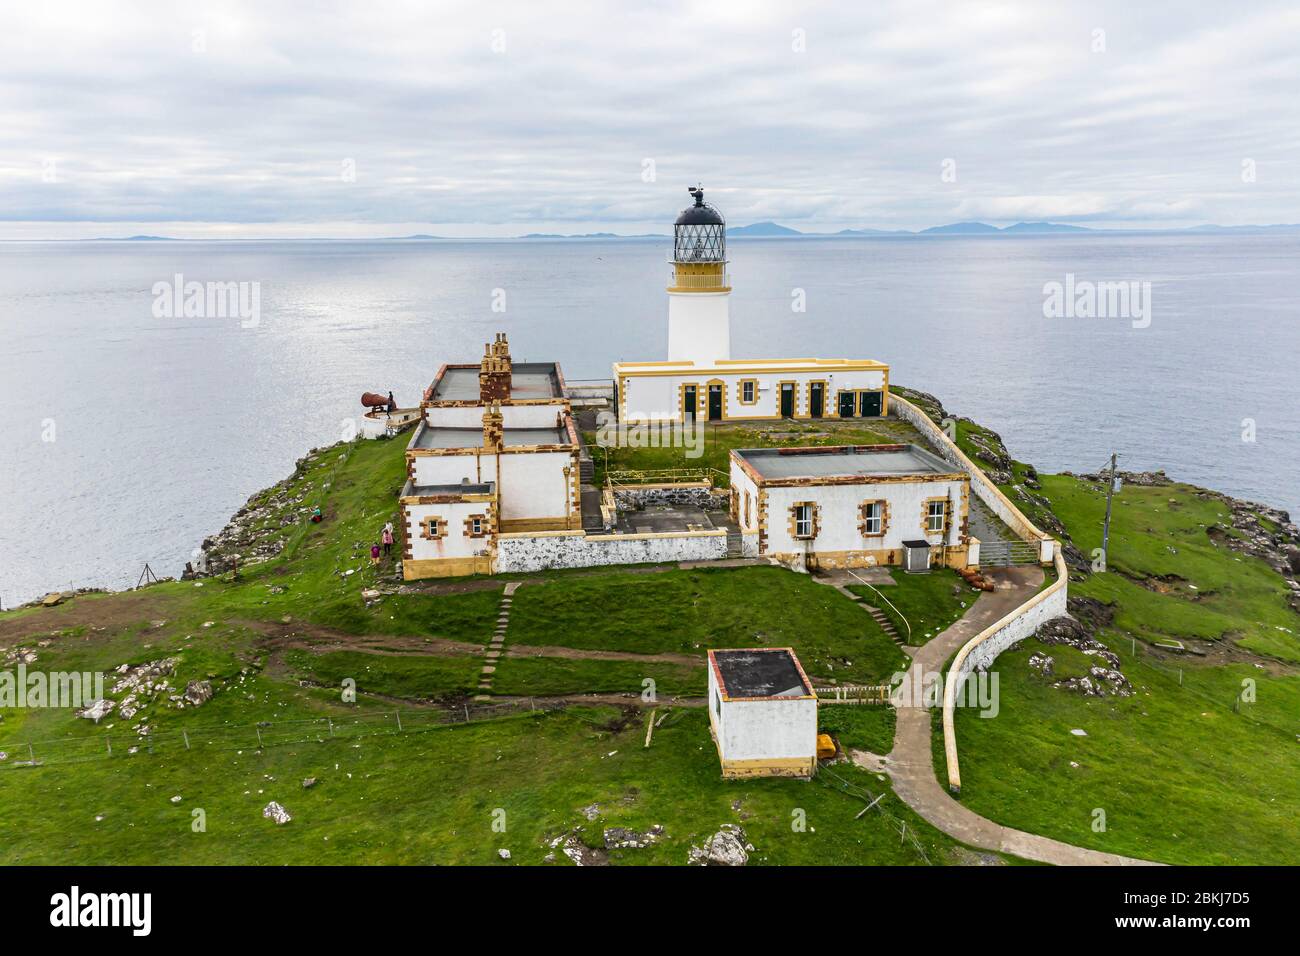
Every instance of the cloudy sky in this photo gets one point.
(387, 118)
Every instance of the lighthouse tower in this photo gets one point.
(699, 292)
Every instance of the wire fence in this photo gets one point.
(1141, 654)
(829, 778)
(270, 733)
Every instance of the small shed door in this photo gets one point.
(816, 399)
(787, 400)
(715, 403)
(871, 403)
(689, 403)
(846, 405)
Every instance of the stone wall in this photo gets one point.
(702, 496)
(981, 486)
(574, 549)
(981, 650)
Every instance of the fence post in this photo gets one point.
(398, 715)
(258, 731)
(466, 706)
(110, 745)
(31, 753)
(1180, 677)
(187, 739)
(331, 723)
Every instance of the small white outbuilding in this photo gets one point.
(762, 713)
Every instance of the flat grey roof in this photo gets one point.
(527, 380)
(844, 462)
(410, 490)
(441, 437)
(761, 672)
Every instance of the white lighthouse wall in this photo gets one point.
(699, 327)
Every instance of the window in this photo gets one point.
(476, 526)
(873, 519)
(936, 513)
(432, 528)
(748, 391)
(805, 525)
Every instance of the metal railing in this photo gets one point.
(888, 603)
(664, 476)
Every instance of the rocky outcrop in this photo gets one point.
(727, 847)
(258, 531)
(1103, 678)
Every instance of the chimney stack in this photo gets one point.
(494, 371)
(493, 428)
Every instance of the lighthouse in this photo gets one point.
(699, 289)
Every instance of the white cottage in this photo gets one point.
(762, 713)
(849, 506)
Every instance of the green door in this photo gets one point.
(787, 400)
(688, 403)
(816, 399)
(715, 403)
(871, 402)
(846, 404)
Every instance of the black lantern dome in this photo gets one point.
(700, 233)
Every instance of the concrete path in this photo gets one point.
(911, 763)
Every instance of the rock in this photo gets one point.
(621, 838)
(724, 848)
(198, 692)
(97, 710)
(504, 854)
(51, 599)
(1043, 663)
(1079, 733)
(176, 799)
(273, 811)
(370, 594)
(308, 783)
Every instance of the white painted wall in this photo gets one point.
(699, 326)
(839, 515)
(762, 729)
(456, 543)
(573, 549)
(512, 416)
(657, 396)
(530, 485)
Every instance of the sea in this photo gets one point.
(130, 430)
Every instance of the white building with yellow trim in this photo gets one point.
(700, 379)
(851, 506)
(496, 451)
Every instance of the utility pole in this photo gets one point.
(1110, 493)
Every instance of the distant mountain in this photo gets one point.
(1024, 227)
(961, 229)
(591, 235)
(764, 229)
(874, 232)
